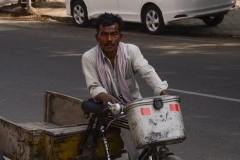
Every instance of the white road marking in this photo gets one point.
(205, 95)
(202, 40)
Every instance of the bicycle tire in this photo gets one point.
(173, 157)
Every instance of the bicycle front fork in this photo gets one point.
(102, 130)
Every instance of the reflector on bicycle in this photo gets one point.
(145, 111)
(173, 107)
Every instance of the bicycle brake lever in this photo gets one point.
(106, 109)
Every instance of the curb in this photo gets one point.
(60, 19)
(9, 12)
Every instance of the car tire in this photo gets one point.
(153, 20)
(213, 20)
(80, 14)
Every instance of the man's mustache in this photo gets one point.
(109, 44)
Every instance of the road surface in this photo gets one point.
(38, 56)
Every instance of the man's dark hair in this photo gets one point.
(108, 19)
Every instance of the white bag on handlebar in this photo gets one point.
(155, 121)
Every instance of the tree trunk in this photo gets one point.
(30, 8)
(28, 4)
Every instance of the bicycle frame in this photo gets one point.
(99, 112)
(102, 121)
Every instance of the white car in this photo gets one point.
(154, 14)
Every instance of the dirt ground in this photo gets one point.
(16, 10)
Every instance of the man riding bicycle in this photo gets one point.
(110, 68)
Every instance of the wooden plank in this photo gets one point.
(38, 125)
(56, 132)
(47, 107)
(63, 110)
(45, 110)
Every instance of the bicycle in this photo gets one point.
(154, 148)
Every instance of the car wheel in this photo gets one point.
(213, 20)
(153, 20)
(80, 15)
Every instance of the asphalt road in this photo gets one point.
(204, 72)
(5, 2)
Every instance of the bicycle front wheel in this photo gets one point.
(173, 157)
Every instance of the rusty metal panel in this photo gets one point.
(62, 143)
(15, 141)
(38, 143)
(62, 148)
(39, 140)
(29, 141)
(63, 110)
(24, 141)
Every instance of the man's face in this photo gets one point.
(108, 38)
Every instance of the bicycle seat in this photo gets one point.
(90, 106)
